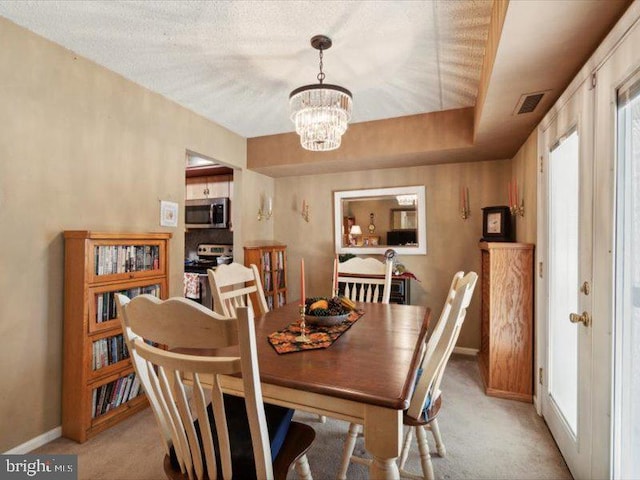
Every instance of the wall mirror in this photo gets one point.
(371, 221)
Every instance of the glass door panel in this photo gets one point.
(564, 202)
(627, 344)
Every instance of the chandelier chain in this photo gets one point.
(321, 75)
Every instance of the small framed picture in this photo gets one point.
(168, 214)
(374, 241)
(496, 224)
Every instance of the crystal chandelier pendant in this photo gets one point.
(321, 112)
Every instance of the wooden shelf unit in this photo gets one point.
(271, 260)
(506, 341)
(97, 265)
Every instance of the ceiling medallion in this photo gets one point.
(321, 112)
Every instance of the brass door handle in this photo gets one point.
(585, 318)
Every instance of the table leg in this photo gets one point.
(383, 440)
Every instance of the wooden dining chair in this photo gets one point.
(459, 280)
(211, 434)
(426, 400)
(233, 286)
(365, 279)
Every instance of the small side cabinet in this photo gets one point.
(506, 345)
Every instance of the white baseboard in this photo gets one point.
(36, 442)
(466, 351)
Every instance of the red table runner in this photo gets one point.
(284, 341)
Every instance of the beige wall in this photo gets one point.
(451, 242)
(83, 148)
(80, 148)
(524, 170)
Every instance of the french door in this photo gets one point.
(617, 255)
(566, 253)
(589, 243)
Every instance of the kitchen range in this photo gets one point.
(195, 271)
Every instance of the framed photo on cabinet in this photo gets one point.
(497, 225)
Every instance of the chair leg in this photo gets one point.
(347, 451)
(302, 468)
(406, 446)
(435, 431)
(425, 456)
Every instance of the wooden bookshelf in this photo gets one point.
(99, 388)
(271, 260)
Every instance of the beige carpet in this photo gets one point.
(486, 438)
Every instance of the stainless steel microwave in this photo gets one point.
(207, 213)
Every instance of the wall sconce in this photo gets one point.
(516, 207)
(265, 213)
(465, 209)
(305, 211)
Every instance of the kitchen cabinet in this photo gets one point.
(209, 187)
(506, 340)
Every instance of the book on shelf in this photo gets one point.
(135, 388)
(106, 302)
(113, 394)
(94, 396)
(110, 259)
(127, 387)
(107, 351)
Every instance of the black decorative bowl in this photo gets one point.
(328, 321)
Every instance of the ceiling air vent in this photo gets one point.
(528, 102)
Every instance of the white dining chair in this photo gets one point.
(459, 280)
(211, 434)
(426, 400)
(233, 286)
(365, 279)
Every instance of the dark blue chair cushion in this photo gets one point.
(243, 464)
(427, 401)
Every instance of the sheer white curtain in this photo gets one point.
(627, 338)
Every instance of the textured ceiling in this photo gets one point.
(236, 62)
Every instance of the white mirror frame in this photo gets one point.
(419, 191)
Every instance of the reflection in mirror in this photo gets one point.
(402, 219)
(371, 221)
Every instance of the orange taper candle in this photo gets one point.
(302, 301)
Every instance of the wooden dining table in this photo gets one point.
(366, 376)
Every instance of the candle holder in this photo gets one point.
(465, 210)
(264, 214)
(302, 338)
(305, 212)
(517, 210)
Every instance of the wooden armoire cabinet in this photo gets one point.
(506, 350)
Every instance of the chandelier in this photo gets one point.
(321, 112)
